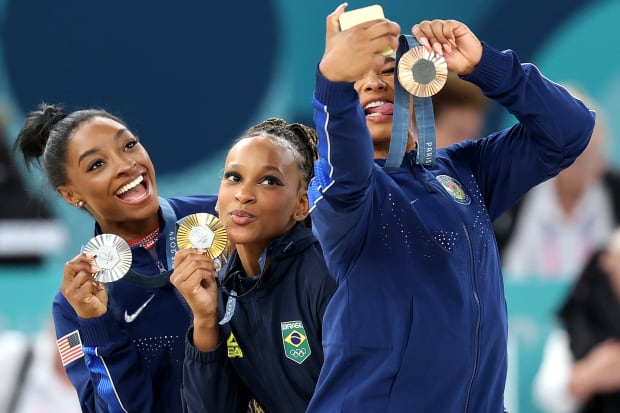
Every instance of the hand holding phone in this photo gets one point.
(352, 18)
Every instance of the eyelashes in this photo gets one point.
(267, 180)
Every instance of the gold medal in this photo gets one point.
(111, 254)
(203, 230)
(422, 73)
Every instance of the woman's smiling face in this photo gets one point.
(111, 172)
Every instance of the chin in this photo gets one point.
(380, 133)
(236, 237)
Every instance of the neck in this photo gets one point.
(148, 240)
(381, 152)
(381, 149)
(249, 256)
(131, 230)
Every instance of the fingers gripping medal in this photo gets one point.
(205, 231)
(110, 253)
(421, 72)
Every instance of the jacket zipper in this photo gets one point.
(162, 268)
(474, 286)
(476, 300)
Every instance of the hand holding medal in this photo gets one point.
(203, 230)
(111, 254)
(422, 72)
(199, 288)
(85, 274)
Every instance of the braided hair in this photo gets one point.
(299, 138)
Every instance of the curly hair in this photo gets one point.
(299, 138)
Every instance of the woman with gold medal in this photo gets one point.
(258, 336)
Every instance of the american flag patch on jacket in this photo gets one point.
(70, 347)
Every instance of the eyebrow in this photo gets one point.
(89, 152)
(264, 169)
(119, 133)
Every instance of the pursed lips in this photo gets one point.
(240, 216)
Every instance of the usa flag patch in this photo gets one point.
(70, 347)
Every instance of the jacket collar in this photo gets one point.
(296, 240)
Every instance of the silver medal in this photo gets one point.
(111, 254)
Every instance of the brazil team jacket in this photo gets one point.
(418, 323)
(271, 348)
(133, 354)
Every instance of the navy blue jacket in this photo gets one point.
(133, 366)
(274, 354)
(418, 323)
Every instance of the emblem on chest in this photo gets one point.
(455, 189)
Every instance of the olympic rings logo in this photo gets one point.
(298, 352)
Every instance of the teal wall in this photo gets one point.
(531, 305)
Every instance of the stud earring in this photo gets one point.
(79, 204)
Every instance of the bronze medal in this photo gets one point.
(422, 73)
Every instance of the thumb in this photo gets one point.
(333, 25)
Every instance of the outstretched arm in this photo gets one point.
(341, 192)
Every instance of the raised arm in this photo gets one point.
(341, 190)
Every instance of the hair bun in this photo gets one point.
(35, 133)
(50, 116)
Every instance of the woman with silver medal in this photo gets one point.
(120, 324)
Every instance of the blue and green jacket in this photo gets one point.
(270, 350)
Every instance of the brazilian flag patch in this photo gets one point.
(296, 346)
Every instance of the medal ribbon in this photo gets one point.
(425, 121)
(170, 226)
(231, 302)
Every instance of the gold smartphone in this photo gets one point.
(352, 18)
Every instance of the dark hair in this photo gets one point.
(46, 132)
(301, 138)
